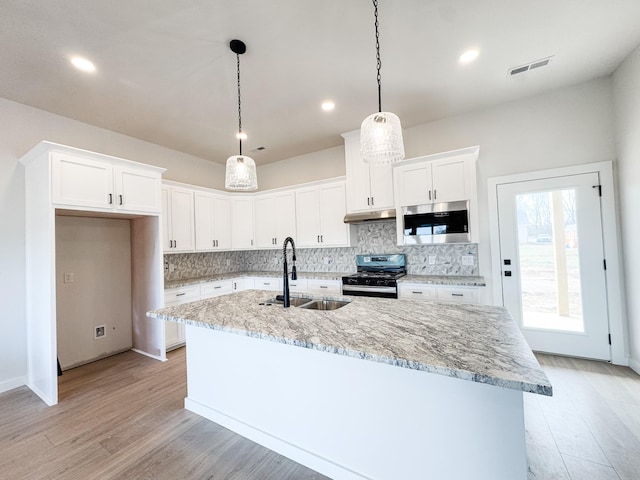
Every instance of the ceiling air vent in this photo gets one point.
(543, 62)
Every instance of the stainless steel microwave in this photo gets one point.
(436, 223)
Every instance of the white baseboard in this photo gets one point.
(147, 354)
(634, 365)
(12, 383)
(297, 454)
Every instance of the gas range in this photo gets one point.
(377, 276)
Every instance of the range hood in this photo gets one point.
(377, 216)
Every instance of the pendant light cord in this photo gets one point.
(379, 63)
(239, 105)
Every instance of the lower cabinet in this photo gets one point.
(325, 287)
(442, 293)
(174, 332)
(267, 283)
(215, 289)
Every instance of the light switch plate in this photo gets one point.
(467, 259)
(68, 277)
(432, 259)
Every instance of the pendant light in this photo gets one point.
(381, 133)
(241, 170)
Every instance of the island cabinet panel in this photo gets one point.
(349, 418)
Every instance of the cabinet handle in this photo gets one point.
(369, 201)
(252, 242)
(217, 287)
(266, 283)
(323, 286)
(111, 199)
(372, 202)
(417, 293)
(175, 244)
(235, 286)
(457, 294)
(429, 194)
(321, 238)
(435, 195)
(120, 198)
(180, 294)
(318, 238)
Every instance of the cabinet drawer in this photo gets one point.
(215, 289)
(418, 292)
(459, 294)
(330, 287)
(177, 296)
(267, 283)
(298, 285)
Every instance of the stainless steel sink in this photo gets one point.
(324, 304)
(295, 301)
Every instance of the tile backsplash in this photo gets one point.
(377, 237)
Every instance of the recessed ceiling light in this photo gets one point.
(83, 64)
(468, 56)
(241, 136)
(328, 105)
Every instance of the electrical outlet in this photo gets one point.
(432, 259)
(99, 331)
(172, 267)
(228, 262)
(68, 277)
(467, 259)
(327, 260)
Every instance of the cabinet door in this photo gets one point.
(285, 215)
(308, 208)
(358, 186)
(414, 185)
(165, 196)
(216, 289)
(411, 291)
(266, 218)
(222, 223)
(182, 231)
(381, 181)
(203, 219)
(137, 190)
(326, 287)
(242, 223)
(332, 201)
(82, 182)
(459, 294)
(450, 182)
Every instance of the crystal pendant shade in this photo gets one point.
(381, 139)
(241, 173)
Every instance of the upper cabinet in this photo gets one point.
(178, 231)
(242, 223)
(104, 184)
(369, 187)
(275, 218)
(422, 181)
(319, 216)
(212, 221)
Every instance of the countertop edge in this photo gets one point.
(539, 389)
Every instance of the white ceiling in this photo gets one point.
(166, 74)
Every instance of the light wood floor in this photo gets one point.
(123, 418)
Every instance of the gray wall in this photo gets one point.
(626, 91)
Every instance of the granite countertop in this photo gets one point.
(429, 279)
(472, 342)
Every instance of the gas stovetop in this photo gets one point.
(377, 271)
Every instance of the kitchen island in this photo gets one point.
(378, 389)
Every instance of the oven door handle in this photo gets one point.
(361, 288)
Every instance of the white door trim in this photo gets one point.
(613, 274)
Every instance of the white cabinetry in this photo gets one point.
(216, 289)
(267, 283)
(423, 181)
(178, 234)
(212, 221)
(325, 287)
(369, 187)
(105, 185)
(274, 219)
(173, 331)
(319, 216)
(443, 293)
(242, 223)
